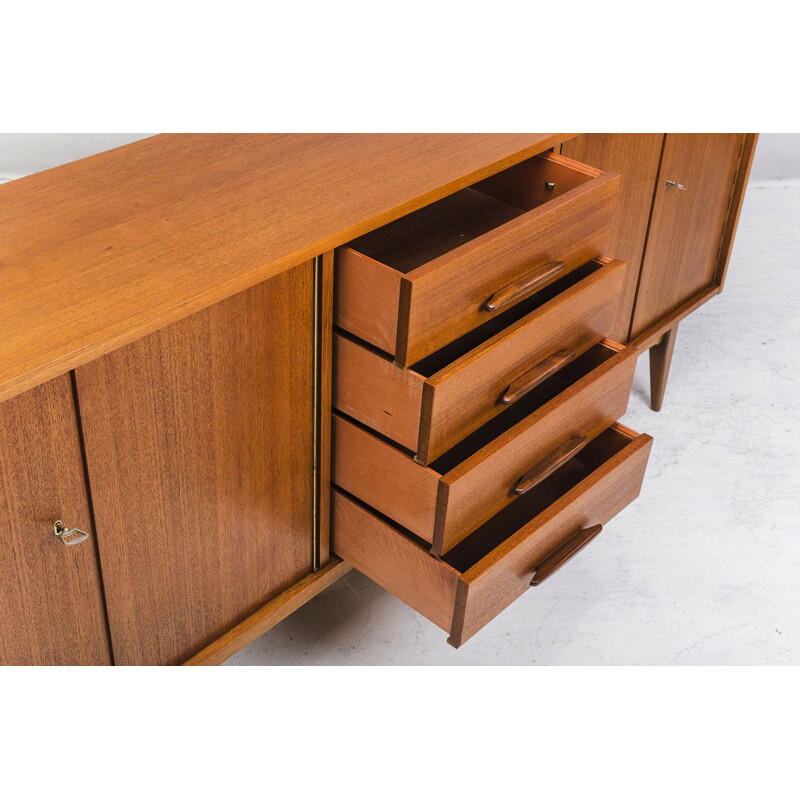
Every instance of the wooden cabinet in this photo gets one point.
(679, 201)
(199, 451)
(168, 366)
(51, 600)
(497, 485)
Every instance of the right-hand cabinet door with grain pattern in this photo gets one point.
(690, 212)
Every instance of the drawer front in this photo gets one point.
(428, 415)
(468, 393)
(444, 504)
(505, 574)
(449, 297)
(460, 601)
(410, 313)
(484, 484)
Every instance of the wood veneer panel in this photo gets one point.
(478, 489)
(464, 395)
(504, 575)
(102, 251)
(199, 449)
(636, 157)
(368, 298)
(687, 226)
(377, 393)
(384, 477)
(394, 561)
(489, 570)
(51, 601)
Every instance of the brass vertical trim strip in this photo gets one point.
(315, 534)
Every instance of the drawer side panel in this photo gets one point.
(393, 561)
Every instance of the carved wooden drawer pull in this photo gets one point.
(549, 464)
(536, 375)
(523, 286)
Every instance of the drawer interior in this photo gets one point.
(519, 513)
(424, 235)
(445, 356)
(542, 394)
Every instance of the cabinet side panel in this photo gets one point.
(635, 156)
(51, 602)
(199, 443)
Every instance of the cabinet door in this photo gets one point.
(51, 602)
(635, 156)
(200, 453)
(688, 223)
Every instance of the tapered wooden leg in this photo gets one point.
(660, 359)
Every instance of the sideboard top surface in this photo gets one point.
(99, 252)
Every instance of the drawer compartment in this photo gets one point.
(487, 571)
(422, 281)
(431, 406)
(462, 489)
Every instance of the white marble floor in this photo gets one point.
(705, 567)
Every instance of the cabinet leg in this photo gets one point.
(660, 359)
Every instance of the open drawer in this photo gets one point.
(524, 542)
(430, 407)
(422, 281)
(459, 491)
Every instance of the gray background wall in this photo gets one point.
(777, 156)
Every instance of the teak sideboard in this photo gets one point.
(233, 367)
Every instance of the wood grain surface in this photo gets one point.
(393, 561)
(384, 477)
(687, 225)
(483, 484)
(505, 573)
(199, 449)
(445, 502)
(51, 600)
(102, 251)
(447, 296)
(465, 394)
(464, 591)
(269, 615)
(324, 396)
(372, 389)
(636, 157)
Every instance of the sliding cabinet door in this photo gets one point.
(199, 443)
(51, 602)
